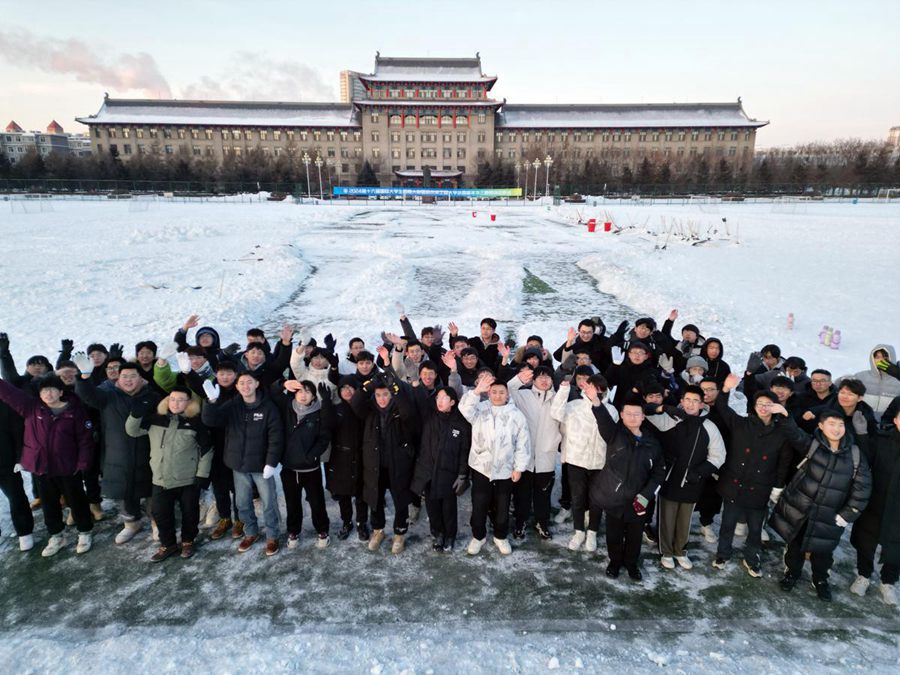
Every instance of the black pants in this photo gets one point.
(163, 509)
(865, 546)
(72, 488)
(131, 508)
(19, 507)
(543, 486)
(442, 516)
(401, 498)
(521, 499)
(565, 495)
(415, 500)
(623, 541)
(345, 503)
(490, 497)
(222, 479)
(794, 555)
(583, 483)
(310, 482)
(710, 502)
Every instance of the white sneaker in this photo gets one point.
(708, 534)
(293, 541)
(740, 530)
(859, 586)
(26, 543)
(590, 541)
(85, 540)
(54, 545)
(577, 540)
(212, 516)
(322, 542)
(131, 528)
(414, 512)
(154, 531)
(503, 546)
(684, 562)
(888, 594)
(474, 547)
(764, 536)
(668, 562)
(562, 516)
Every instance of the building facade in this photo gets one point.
(412, 113)
(15, 142)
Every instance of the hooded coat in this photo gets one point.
(880, 521)
(717, 369)
(501, 442)
(881, 388)
(443, 453)
(825, 486)
(537, 406)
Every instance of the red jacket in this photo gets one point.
(55, 445)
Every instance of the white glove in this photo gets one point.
(617, 355)
(667, 364)
(167, 351)
(83, 362)
(775, 495)
(302, 338)
(184, 362)
(212, 390)
(840, 522)
(17, 468)
(268, 472)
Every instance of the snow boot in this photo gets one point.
(577, 540)
(85, 541)
(128, 532)
(859, 586)
(26, 542)
(54, 545)
(474, 547)
(376, 539)
(590, 541)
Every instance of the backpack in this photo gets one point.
(854, 449)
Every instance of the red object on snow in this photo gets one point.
(473, 214)
(607, 226)
(493, 217)
(592, 225)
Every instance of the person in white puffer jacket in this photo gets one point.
(584, 451)
(317, 371)
(500, 453)
(533, 490)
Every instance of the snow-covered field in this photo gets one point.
(125, 272)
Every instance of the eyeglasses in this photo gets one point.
(814, 381)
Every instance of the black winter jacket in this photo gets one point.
(634, 466)
(693, 449)
(307, 440)
(824, 487)
(254, 433)
(443, 454)
(758, 457)
(880, 521)
(343, 472)
(12, 431)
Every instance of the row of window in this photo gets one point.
(229, 134)
(642, 137)
(433, 167)
(426, 137)
(447, 153)
(441, 93)
(606, 153)
(429, 120)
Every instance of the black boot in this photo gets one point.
(345, 531)
(362, 531)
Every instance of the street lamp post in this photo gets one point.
(305, 160)
(517, 167)
(319, 163)
(536, 165)
(548, 161)
(330, 163)
(526, 179)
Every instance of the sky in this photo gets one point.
(815, 70)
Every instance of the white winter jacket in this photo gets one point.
(582, 444)
(501, 442)
(545, 432)
(315, 375)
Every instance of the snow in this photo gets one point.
(626, 115)
(120, 271)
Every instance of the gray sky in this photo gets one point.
(817, 70)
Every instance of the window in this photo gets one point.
(481, 118)
(329, 136)
(374, 118)
(395, 153)
(511, 137)
(480, 153)
(460, 138)
(345, 153)
(181, 134)
(409, 93)
(446, 120)
(376, 152)
(428, 120)
(410, 120)
(237, 151)
(656, 137)
(276, 136)
(590, 137)
(345, 168)
(140, 148)
(499, 137)
(410, 138)
(394, 93)
(331, 152)
(127, 149)
(605, 138)
(113, 132)
(357, 135)
(448, 153)
(695, 135)
(481, 137)
(374, 137)
(196, 150)
(642, 137)
(707, 136)
(96, 132)
(169, 150)
(511, 154)
(410, 153)
(446, 93)
(343, 135)
(461, 153)
(628, 137)
(429, 153)
(290, 134)
(225, 134)
(721, 135)
(304, 136)
(395, 137)
(395, 120)
(209, 151)
(577, 137)
(462, 93)
(462, 121)
(551, 138)
(680, 153)
(732, 151)
(693, 152)
(537, 136)
(447, 138)
(681, 136)
(317, 135)
(734, 135)
(126, 133)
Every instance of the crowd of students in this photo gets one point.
(636, 424)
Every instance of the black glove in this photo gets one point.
(231, 349)
(754, 362)
(620, 331)
(330, 343)
(4, 342)
(651, 408)
(116, 350)
(201, 482)
(460, 485)
(324, 392)
(67, 346)
(140, 408)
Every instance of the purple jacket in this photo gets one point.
(55, 445)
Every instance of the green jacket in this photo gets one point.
(180, 445)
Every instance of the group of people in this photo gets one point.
(636, 424)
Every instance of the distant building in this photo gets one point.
(894, 141)
(15, 142)
(412, 113)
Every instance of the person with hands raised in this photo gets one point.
(501, 451)
(589, 337)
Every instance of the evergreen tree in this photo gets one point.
(644, 178)
(367, 177)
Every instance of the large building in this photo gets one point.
(15, 142)
(412, 113)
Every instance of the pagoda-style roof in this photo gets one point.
(12, 127)
(54, 128)
(649, 115)
(223, 113)
(409, 70)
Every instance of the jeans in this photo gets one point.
(731, 515)
(164, 501)
(243, 492)
(19, 508)
(490, 497)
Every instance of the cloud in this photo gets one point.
(255, 77)
(134, 72)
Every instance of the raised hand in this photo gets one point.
(860, 425)
(667, 364)
(449, 359)
(383, 353)
(437, 333)
(526, 376)
(673, 315)
(393, 338)
(483, 383)
(590, 392)
(167, 350)
(4, 341)
(778, 409)
(570, 336)
(191, 322)
(324, 392)
(731, 382)
(330, 343)
(116, 349)
(286, 334)
(754, 362)
(67, 346)
(184, 362)
(453, 328)
(212, 390)
(292, 386)
(83, 362)
(617, 355)
(503, 350)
